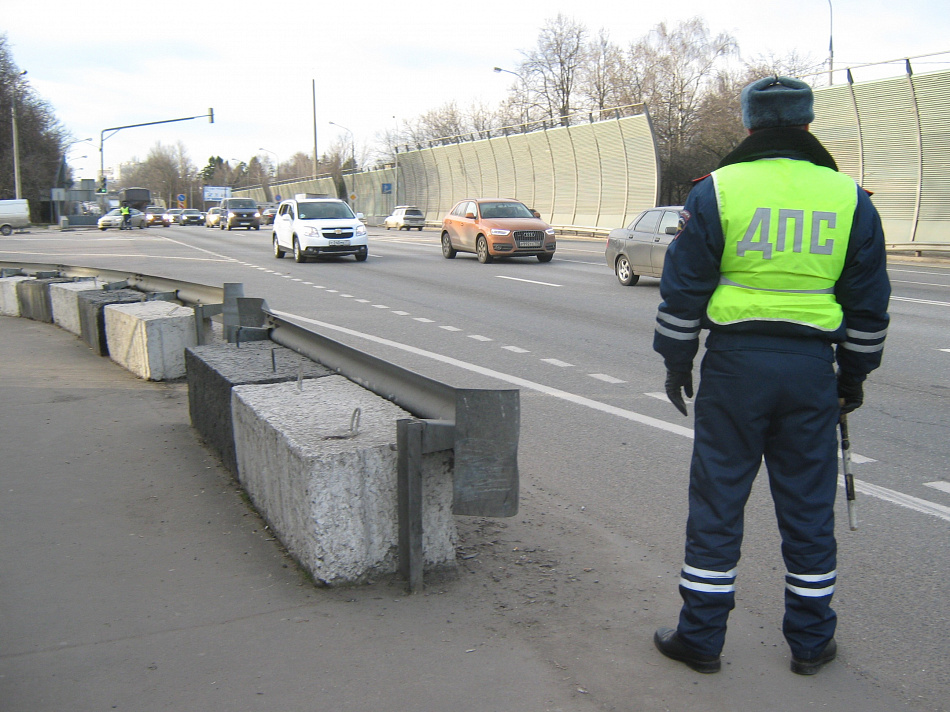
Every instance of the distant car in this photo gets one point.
(267, 217)
(155, 215)
(496, 227)
(190, 216)
(405, 217)
(319, 227)
(174, 215)
(640, 248)
(239, 212)
(114, 218)
(212, 217)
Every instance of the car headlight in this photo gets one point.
(360, 230)
(312, 232)
(500, 232)
(257, 215)
(549, 231)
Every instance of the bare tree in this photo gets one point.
(676, 66)
(41, 138)
(602, 76)
(553, 67)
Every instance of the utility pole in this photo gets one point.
(16, 140)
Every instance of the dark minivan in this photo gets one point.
(239, 212)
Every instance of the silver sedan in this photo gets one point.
(640, 248)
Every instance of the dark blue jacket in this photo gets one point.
(692, 267)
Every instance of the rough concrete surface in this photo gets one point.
(92, 321)
(64, 300)
(133, 576)
(330, 496)
(149, 339)
(9, 302)
(213, 370)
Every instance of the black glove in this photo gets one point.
(850, 393)
(675, 380)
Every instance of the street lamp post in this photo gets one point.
(352, 142)
(524, 98)
(831, 43)
(16, 139)
(276, 167)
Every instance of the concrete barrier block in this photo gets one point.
(331, 499)
(91, 307)
(149, 339)
(9, 302)
(33, 295)
(64, 301)
(213, 370)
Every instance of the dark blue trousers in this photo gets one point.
(771, 397)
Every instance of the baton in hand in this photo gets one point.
(848, 477)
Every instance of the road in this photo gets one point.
(605, 455)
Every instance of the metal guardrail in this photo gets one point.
(480, 426)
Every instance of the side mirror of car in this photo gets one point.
(359, 216)
(470, 216)
(672, 230)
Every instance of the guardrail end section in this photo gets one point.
(487, 428)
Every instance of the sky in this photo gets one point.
(375, 65)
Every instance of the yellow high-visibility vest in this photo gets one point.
(786, 225)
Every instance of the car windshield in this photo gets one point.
(505, 210)
(242, 204)
(154, 211)
(324, 211)
(114, 212)
(190, 212)
(415, 212)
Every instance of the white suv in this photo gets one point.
(318, 227)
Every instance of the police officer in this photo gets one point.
(126, 214)
(782, 259)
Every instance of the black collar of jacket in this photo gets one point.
(784, 142)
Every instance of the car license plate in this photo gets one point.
(529, 243)
(339, 242)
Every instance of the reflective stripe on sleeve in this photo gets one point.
(863, 348)
(678, 335)
(866, 335)
(676, 321)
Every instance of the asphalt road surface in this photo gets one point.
(605, 455)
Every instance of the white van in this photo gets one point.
(14, 214)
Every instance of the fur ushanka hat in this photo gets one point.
(777, 101)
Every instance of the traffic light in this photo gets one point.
(102, 185)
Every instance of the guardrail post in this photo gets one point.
(409, 435)
(232, 320)
(203, 314)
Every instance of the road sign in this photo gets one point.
(181, 197)
(387, 188)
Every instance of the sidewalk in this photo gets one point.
(134, 577)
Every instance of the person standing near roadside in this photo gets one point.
(783, 260)
(126, 213)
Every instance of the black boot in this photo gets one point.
(810, 667)
(667, 642)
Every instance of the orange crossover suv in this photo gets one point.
(496, 227)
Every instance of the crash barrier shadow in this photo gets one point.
(358, 465)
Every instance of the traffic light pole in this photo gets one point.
(115, 129)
